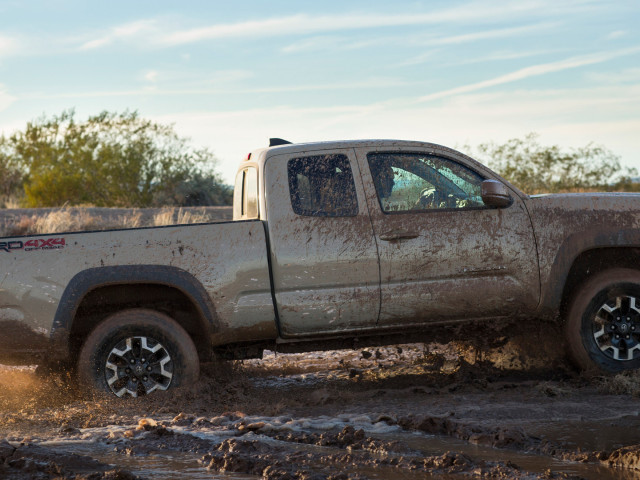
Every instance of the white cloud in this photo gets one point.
(533, 71)
(503, 55)
(229, 76)
(570, 117)
(629, 75)
(328, 42)
(218, 83)
(9, 46)
(125, 31)
(151, 76)
(322, 42)
(616, 34)
(486, 34)
(304, 24)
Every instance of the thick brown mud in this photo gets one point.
(505, 410)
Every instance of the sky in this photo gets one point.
(229, 75)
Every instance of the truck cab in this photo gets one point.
(386, 235)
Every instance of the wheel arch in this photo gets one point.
(592, 262)
(93, 294)
(570, 266)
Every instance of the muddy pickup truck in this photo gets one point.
(332, 245)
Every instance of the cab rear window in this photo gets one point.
(322, 185)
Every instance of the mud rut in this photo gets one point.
(509, 408)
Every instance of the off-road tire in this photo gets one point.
(135, 324)
(581, 326)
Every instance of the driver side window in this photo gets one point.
(419, 181)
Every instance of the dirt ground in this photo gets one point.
(513, 409)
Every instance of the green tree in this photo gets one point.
(112, 159)
(536, 168)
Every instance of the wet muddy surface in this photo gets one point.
(411, 411)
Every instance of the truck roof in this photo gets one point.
(282, 146)
(259, 156)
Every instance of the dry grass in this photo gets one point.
(85, 219)
(171, 216)
(9, 202)
(67, 220)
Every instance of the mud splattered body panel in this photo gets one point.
(450, 262)
(325, 267)
(228, 259)
(569, 225)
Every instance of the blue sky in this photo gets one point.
(230, 75)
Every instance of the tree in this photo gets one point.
(536, 168)
(112, 159)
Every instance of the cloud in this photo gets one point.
(487, 34)
(328, 42)
(122, 32)
(218, 84)
(151, 76)
(503, 55)
(571, 117)
(533, 71)
(304, 24)
(9, 46)
(162, 31)
(629, 75)
(616, 34)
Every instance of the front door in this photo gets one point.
(323, 253)
(444, 255)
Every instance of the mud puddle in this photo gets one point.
(164, 466)
(608, 434)
(527, 462)
(187, 447)
(412, 411)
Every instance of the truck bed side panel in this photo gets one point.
(228, 259)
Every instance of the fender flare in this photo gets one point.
(88, 280)
(574, 246)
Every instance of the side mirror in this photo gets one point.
(495, 194)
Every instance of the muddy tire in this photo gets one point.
(603, 322)
(137, 352)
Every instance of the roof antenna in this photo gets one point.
(274, 142)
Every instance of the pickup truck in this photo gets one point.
(332, 245)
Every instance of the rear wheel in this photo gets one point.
(603, 324)
(135, 353)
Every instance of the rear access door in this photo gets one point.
(323, 252)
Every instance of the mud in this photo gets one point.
(35, 462)
(412, 411)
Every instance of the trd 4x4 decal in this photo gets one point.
(33, 244)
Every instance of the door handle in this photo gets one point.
(397, 235)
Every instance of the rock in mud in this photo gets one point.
(159, 439)
(626, 457)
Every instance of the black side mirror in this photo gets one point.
(495, 194)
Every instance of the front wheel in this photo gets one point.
(603, 323)
(137, 352)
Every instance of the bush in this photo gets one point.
(536, 168)
(111, 160)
